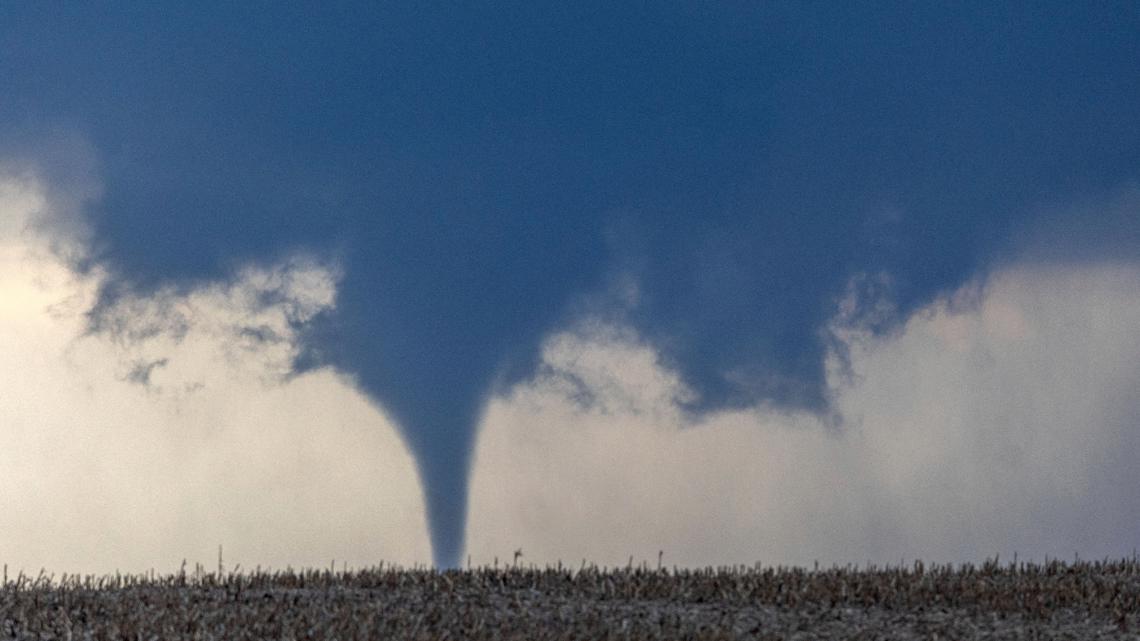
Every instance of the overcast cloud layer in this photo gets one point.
(177, 428)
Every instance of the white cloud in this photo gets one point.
(177, 428)
(1004, 418)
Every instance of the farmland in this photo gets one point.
(1079, 599)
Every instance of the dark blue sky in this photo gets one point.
(482, 167)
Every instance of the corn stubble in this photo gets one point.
(1079, 600)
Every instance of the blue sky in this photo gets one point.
(713, 176)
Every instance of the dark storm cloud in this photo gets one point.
(1094, 228)
(470, 165)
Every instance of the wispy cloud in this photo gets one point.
(1001, 418)
(178, 425)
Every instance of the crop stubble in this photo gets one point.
(1054, 600)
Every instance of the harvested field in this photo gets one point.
(1055, 600)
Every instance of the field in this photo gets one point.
(1054, 600)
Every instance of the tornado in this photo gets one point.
(484, 173)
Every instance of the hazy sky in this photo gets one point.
(738, 283)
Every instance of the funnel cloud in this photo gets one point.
(484, 176)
